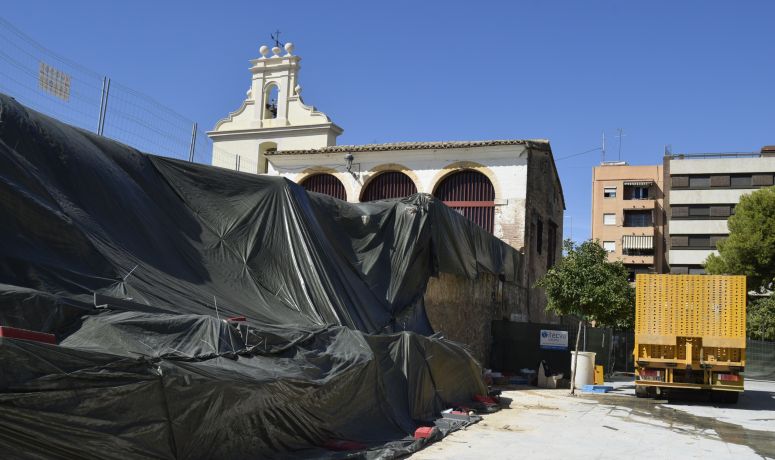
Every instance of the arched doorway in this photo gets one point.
(324, 183)
(387, 185)
(471, 194)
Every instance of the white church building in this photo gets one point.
(509, 187)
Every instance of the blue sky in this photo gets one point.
(698, 75)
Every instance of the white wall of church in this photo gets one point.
(505, 166)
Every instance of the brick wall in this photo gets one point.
(463, 310)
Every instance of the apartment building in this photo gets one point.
(701, 193)
(628, 215)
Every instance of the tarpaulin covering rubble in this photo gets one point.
(207, 313)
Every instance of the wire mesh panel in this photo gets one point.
(139, 121)
(327, 184)
(471, 194)
(387, 185)
(760, 360)
(44, 81)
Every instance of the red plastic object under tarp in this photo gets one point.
(423, 432)
(485, 399)
(24, 334)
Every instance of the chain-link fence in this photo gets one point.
(760, 360)
(44, 81)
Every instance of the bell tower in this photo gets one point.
(273, 116)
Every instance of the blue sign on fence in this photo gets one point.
(553, 340)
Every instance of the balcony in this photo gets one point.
(638, 260)
(639, 191)
(639, 218)
(640, 205)
(638, 249)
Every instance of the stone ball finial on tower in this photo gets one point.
(289, 48)
(264, 50)
(276, 51)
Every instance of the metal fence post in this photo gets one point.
(103, 105)
(193, 144)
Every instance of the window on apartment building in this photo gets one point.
(609, 246)
(639, 193)
(719, 180)
(551, 245)
(609, 219)
(723, 210)
(699, 181)
(679, 181)
(637, 252)
(696, 270)
(695, 241)
(637, 218)
(539, 235)
(609, 192)
(637, 190)
(699, 241)
(761, 180)
(702, 211)
(741, 181)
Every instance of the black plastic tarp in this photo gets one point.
(334, 346)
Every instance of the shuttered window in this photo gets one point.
(761, 180)
(679, 181)
(389, 185)
(719, 181)
(679, 211)
(741, 181)
(471, 194)
(699, 181)
(327, 184)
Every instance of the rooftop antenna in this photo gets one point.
(602, 149)
(276, 37)
(620, 136)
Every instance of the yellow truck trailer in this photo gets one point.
(690, 334)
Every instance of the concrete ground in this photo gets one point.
(539, 423)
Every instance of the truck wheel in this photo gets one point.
(731, 397)
(725, 397)
(641, 391)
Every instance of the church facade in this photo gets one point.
(508, 187)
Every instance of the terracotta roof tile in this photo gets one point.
(541, 144)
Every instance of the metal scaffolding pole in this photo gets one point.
(193, 144)
(103, 105)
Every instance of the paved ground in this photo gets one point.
(551, 424)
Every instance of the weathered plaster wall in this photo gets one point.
(544, 204)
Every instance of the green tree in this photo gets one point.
(761, 319)
(750, 248)
(586, 285)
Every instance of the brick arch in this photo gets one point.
(377, 171)
(463, 165)
(344, 178)
(325, 183)
(470, 193)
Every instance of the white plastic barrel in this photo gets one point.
(585, 372)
